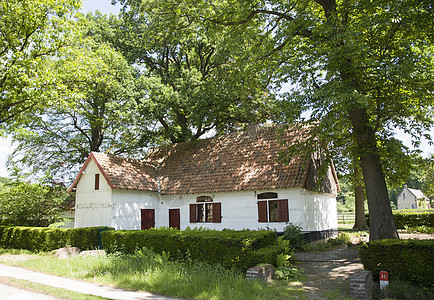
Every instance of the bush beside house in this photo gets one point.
(239, 249)
(47, 239)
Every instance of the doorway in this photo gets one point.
(175, 218)
(147, 218)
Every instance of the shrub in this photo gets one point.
(47, 239)
(407, 260)
(296, 238)
(412, 218)
(343, 239)
(240, 249)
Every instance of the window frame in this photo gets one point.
(273, 211)
(205, 210)
(97, 177)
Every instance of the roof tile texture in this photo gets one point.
(235, 162)
(129, 174)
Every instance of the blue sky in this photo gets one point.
(105, 7)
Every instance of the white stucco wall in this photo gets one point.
(311, 211)
(92, 207)
(127, 206)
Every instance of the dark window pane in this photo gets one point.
(273, 210)
(269, 195)
(200, 213)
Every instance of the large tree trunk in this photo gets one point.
(360, 222)
(381, 219)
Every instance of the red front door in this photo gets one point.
(148, 218)
(174, 218)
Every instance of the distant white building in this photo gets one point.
(412, 199)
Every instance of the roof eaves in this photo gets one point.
(77, 179)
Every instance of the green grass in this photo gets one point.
(146, 271)
(402, 290)
(47, 290)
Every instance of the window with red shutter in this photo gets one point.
(262, 211)
(282, 207)
(192, 213)
(217, 213)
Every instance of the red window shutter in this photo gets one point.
(192, 213)
(96, 181)
(216, 212)
(283, 210)
(262, 211)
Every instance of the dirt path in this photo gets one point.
(327, 273)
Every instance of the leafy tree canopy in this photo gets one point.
(30, 31)
(94, 110)
(37, 204)
(189, 72)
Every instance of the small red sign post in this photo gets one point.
(384, 280)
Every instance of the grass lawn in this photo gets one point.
(47, 290)
(146, 271)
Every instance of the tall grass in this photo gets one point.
(147, 271)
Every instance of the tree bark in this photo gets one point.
(359, 203)
(381, 219)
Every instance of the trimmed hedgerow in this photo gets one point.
(411, 218)
(406, 260)
(46, 239)
(405, 219)
(239, 249)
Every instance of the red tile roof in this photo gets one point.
(235, 162)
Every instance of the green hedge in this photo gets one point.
(47, 239)
(407, 260)
(412, 218)
(239, 249)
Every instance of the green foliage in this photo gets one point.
(287, 273)
(412, 218)
(47, 239)
(37, 204)
(240, 249)
(296, 238)
(95, 110)
(425, 173)
(421, 229)
(31, 31)
(188, 68)
(398, 289)
(407, 260)
(343, 239)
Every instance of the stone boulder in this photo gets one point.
(93, 253)
(261, 272)
(66, 252)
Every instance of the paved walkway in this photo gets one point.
(12, 293)
(76, 285)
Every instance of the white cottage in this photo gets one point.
(235, 181)
(412, 199)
